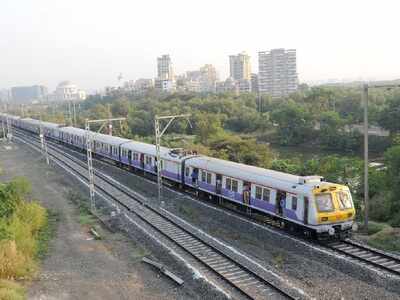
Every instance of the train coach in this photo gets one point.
(303, 203)
(307, 203)
(143, 156)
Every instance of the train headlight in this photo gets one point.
(324, 219)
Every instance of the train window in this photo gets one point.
(208, 178)
(203, 176)
(324, 202)
(234, 185)
(187, 171)
(228, 184)
(258, 193)
(294, 203)
(344, 200)
(266, 195)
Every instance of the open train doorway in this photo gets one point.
(246, 192)
(218, 184)
(280, 202)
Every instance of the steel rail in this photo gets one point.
(369, 255)
(231, 270)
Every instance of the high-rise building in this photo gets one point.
(28, 94)
(208, 78)
(240, 67)
(67, 91)
(277, 75)
(164, 68)
(254, 83)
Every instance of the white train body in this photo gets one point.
(307, 203)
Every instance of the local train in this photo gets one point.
(308, 204)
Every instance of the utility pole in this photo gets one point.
(365, 89)
(366, 187)
(9, 132)
(74, 111)
(89, 154)
(43, 141)
(3, 129)
(158, 134)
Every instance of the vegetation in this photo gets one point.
(246, 128)
(22, 227)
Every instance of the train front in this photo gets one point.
(334, 211)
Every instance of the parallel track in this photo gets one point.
(368, 255)
(230, 269)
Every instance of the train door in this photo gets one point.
(142, 160)
(195, 176)
(246, 192)
(305, 210)
(280, 202)
(218, 184)
(129, 157)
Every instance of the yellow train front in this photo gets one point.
(333, 211)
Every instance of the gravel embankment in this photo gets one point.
(317, 271)
(79, 267)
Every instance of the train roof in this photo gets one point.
(150, 149)
(109, 139)
(73, 130)
(44, 123)
(257, 175)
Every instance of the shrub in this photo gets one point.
(387, 239)
(14, 263)
(11, 291)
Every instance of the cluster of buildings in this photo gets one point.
(65, 91)
(277, 76)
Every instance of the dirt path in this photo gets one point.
(77, 266)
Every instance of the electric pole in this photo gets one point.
(89, 154)
(365, 88)
(158, 134)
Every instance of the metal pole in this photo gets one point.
(366, 188)
(3, 128)
(9, 132)
(89, 154)
(158, 134)
(90, 167)
(158, 156)
(70, 113)
(74, 113)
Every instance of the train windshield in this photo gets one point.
(324, 202)
(344, 200)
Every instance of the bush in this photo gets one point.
(11, 291)
(20, 225)
(387, 239)
(14, 263)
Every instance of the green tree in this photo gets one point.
(390, 116)
(207, 125)
(295, 124)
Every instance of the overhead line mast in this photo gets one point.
(89, 154)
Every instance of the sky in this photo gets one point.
(90, 42)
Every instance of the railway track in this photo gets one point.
(368, 255)
(362, 253)
(236, 273)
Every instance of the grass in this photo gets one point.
(279, 260)
(387, 239)
(85, 216)
(9, 290)
(46, 234)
